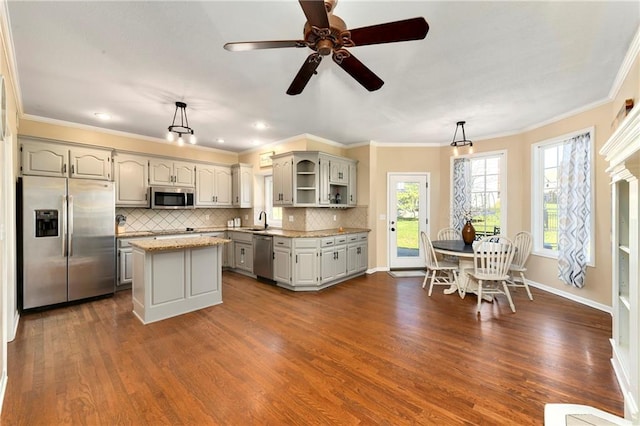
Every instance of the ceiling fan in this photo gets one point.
(326, 33)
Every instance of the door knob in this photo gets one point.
(393, 229)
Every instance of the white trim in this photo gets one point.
(378, 269)
(422, 216)
(3, 387)
(16, 321)
(292, 139)
(627, 63)
(9, 53)
(504, 226)
(536, 191)
(117, 133)
(572, 297)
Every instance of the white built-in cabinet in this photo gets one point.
(305, 267)
(46, 158)
(336, 188)
(242, 185)
(213, 186)
(622, 151)
(282, 180)
(352, 189)
(166, 172)
(131, 174)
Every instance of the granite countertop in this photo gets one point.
(252, 230)
(178, 243)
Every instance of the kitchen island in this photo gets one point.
(174, 276)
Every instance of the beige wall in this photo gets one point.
(406, 159)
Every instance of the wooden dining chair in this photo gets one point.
(438, 272)
(523, 242)
(492, 258)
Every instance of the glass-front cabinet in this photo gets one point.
(622, 151)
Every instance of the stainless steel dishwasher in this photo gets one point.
(263, 256)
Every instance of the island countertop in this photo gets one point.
(178, 243)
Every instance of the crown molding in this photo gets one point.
(627, 63)
(116, 133)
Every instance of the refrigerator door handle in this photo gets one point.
(64, 226)
(70, 225)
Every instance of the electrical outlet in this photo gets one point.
(383, 217)
(291, 218)
(207, 216)
(335, 217)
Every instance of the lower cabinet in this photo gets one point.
(124, 275)
(316, 263)
(240, 254)
(282, 271)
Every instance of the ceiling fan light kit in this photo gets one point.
(325, 33)
(181, 128)
(461, 142)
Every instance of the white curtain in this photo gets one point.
(574, 210)
(461, 191)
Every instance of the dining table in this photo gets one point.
(465, 254)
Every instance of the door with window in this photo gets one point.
(407, 217)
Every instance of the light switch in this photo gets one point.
(291, 218)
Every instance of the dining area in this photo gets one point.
(489, 266)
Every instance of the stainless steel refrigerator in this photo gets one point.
(66, 239)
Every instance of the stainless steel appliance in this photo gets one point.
(263, 256)
(66, 241)
(172, 197)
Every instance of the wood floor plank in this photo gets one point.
(374, 350)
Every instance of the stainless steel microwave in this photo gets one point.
(172, 197)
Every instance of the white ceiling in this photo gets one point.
(501, 66)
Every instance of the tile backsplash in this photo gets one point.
(304, 219)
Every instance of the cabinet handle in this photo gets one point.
(64, 168)
(73, 169)
(296, 258)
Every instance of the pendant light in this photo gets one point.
(461, 142)
(182, 127)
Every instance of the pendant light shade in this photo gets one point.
(181, 127)
(460, 142)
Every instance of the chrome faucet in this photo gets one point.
(265, 218)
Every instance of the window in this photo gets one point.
(478, 184)
(274, 214)
(548, 159)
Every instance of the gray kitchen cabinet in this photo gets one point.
(225, 248)
(131, 173)
(242, 185)
(282, 271)
(305, 266)
(282, 180)
(338, 171)
(357, 256)
(352, 188)
(45, 158)
(333, 259)
(125, 262)
(213, 186)
(243, 253)
(166, 172)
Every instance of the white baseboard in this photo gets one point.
(3, 388)
(16, 320)
(378, 269)
(570, 296)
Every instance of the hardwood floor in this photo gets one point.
(375, 350)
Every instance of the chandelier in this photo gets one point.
(182, 127)
(462, 142)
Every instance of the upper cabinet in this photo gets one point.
(167, 172)
(42, 158)
(312, 178)
(283, 180)
(242, 185)
(213, 186)
(131, 173)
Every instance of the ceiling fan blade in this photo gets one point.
(391, 32)
(357, 70)
(269, 44)
(315, 12)
(304, 75)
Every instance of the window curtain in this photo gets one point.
(574, 210)
(461, 191)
